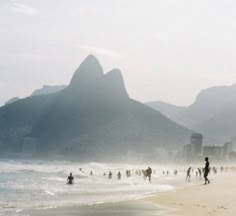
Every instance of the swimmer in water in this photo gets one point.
(70, 179)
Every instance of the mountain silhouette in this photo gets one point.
(167, 109)
(212, 113)
(92, 118)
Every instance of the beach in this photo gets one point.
(193, 199)
(39, 188)
(216, 199)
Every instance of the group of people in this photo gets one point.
(147, 174)
(206, 171)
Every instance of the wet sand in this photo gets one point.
(129, 208)
(197, 199)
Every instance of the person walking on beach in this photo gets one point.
(70, 179)
(188, 174)
(206, 171)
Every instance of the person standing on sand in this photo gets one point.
(206, 171)
(188, 174)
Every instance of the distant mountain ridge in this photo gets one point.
(46, 89)
(12, 100)
(167, 109)
(92, 118)
(213, 113)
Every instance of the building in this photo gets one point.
(193, 151)
(187, 153)
(214, 152)
(228, 148)
(196, 144)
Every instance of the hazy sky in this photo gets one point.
(166, 49)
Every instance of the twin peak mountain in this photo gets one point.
(93, 118)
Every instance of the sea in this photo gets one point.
(30, 184)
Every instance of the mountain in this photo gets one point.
(12, 100)
(167, 109)
(208, 103)
(222, 124)
(212, 113)
(47, 89)
(93, 118)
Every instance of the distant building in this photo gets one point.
(228, 148)
(187, 153)
(193, 151)
(196, 145)
(214, 152)
(232, 156)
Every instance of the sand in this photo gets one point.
(127, 208)
(216, 199)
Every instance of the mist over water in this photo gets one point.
(41, 185)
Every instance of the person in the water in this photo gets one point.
(119, 175)
(70, 179)
(110, 175)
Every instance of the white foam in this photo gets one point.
(34, 184)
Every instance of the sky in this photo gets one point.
(167, 50)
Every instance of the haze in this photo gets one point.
(167, 50)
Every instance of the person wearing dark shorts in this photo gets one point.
(206, 171)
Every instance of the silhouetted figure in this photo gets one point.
(119, 175)
(70, 179)
(188, 174)
(104, 174)
(200, 173)
(128, 173)
(222, 169)
(91, 173)
(214, 170)
(148, 173)
(206, 171)
(110, 175)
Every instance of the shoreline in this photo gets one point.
(187, 198)
(193, 199)
(124, 208)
